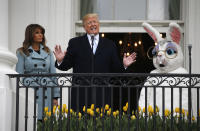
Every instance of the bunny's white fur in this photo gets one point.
(165, 64)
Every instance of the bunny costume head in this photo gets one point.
(167, 54)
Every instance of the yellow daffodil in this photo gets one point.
(54, 107)
(49, 114)
(183, 112)
(193, 118)
(114, 114)
(117, 111)
(66, 111)
(79, 115)
(167, 112)
(88, 111)
(177, 110)
(91, 112)
(133, 117)
(46, 109)
(127, 104)
(71, 111)
(125, 108)
(64, 106)
(84, 109)
(107, 107)
(92, 107)
(150, 109)
(54, 110)
(97, 110)
(139, 108)
(143, 110)
(108, 112)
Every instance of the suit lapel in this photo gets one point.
(86, 44)
(100, 46)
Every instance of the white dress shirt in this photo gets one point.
(95, 42)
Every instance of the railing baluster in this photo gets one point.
(103, 104)
(52, 97)
(94, 95)
(163, 108)
(146, 115)
(43, 106)
(111, 120)
(86, 106)
(77, 105)
(137, 109)
(189, 103)
(26, 108)
(34, 116)
(129, 104)
(154, 106)
(198, 127)
(172, 109)
(60, 114)
(120, 108)
(69, 105)
(180, 102)
(17, 104)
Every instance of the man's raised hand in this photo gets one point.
(59, 54)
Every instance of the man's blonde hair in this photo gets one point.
(88, 16)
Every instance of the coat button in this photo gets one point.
(44, 65)
(35, 65)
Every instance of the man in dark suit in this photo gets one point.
(91, 54)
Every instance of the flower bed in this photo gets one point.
(107, 119)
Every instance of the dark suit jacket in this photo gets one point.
(79, 57)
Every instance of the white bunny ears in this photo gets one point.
(173, 34)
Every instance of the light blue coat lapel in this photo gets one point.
(43, 54)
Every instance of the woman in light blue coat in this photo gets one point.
(35, 57)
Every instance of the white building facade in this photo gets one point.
(60, 18)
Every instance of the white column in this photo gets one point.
(192, 36)
(7, 60)
(192, 32)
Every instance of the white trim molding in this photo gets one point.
(125, 26)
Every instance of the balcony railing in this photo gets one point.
(147, 118)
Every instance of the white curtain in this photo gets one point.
(158, 10)
(86, 6)
(174, 9)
